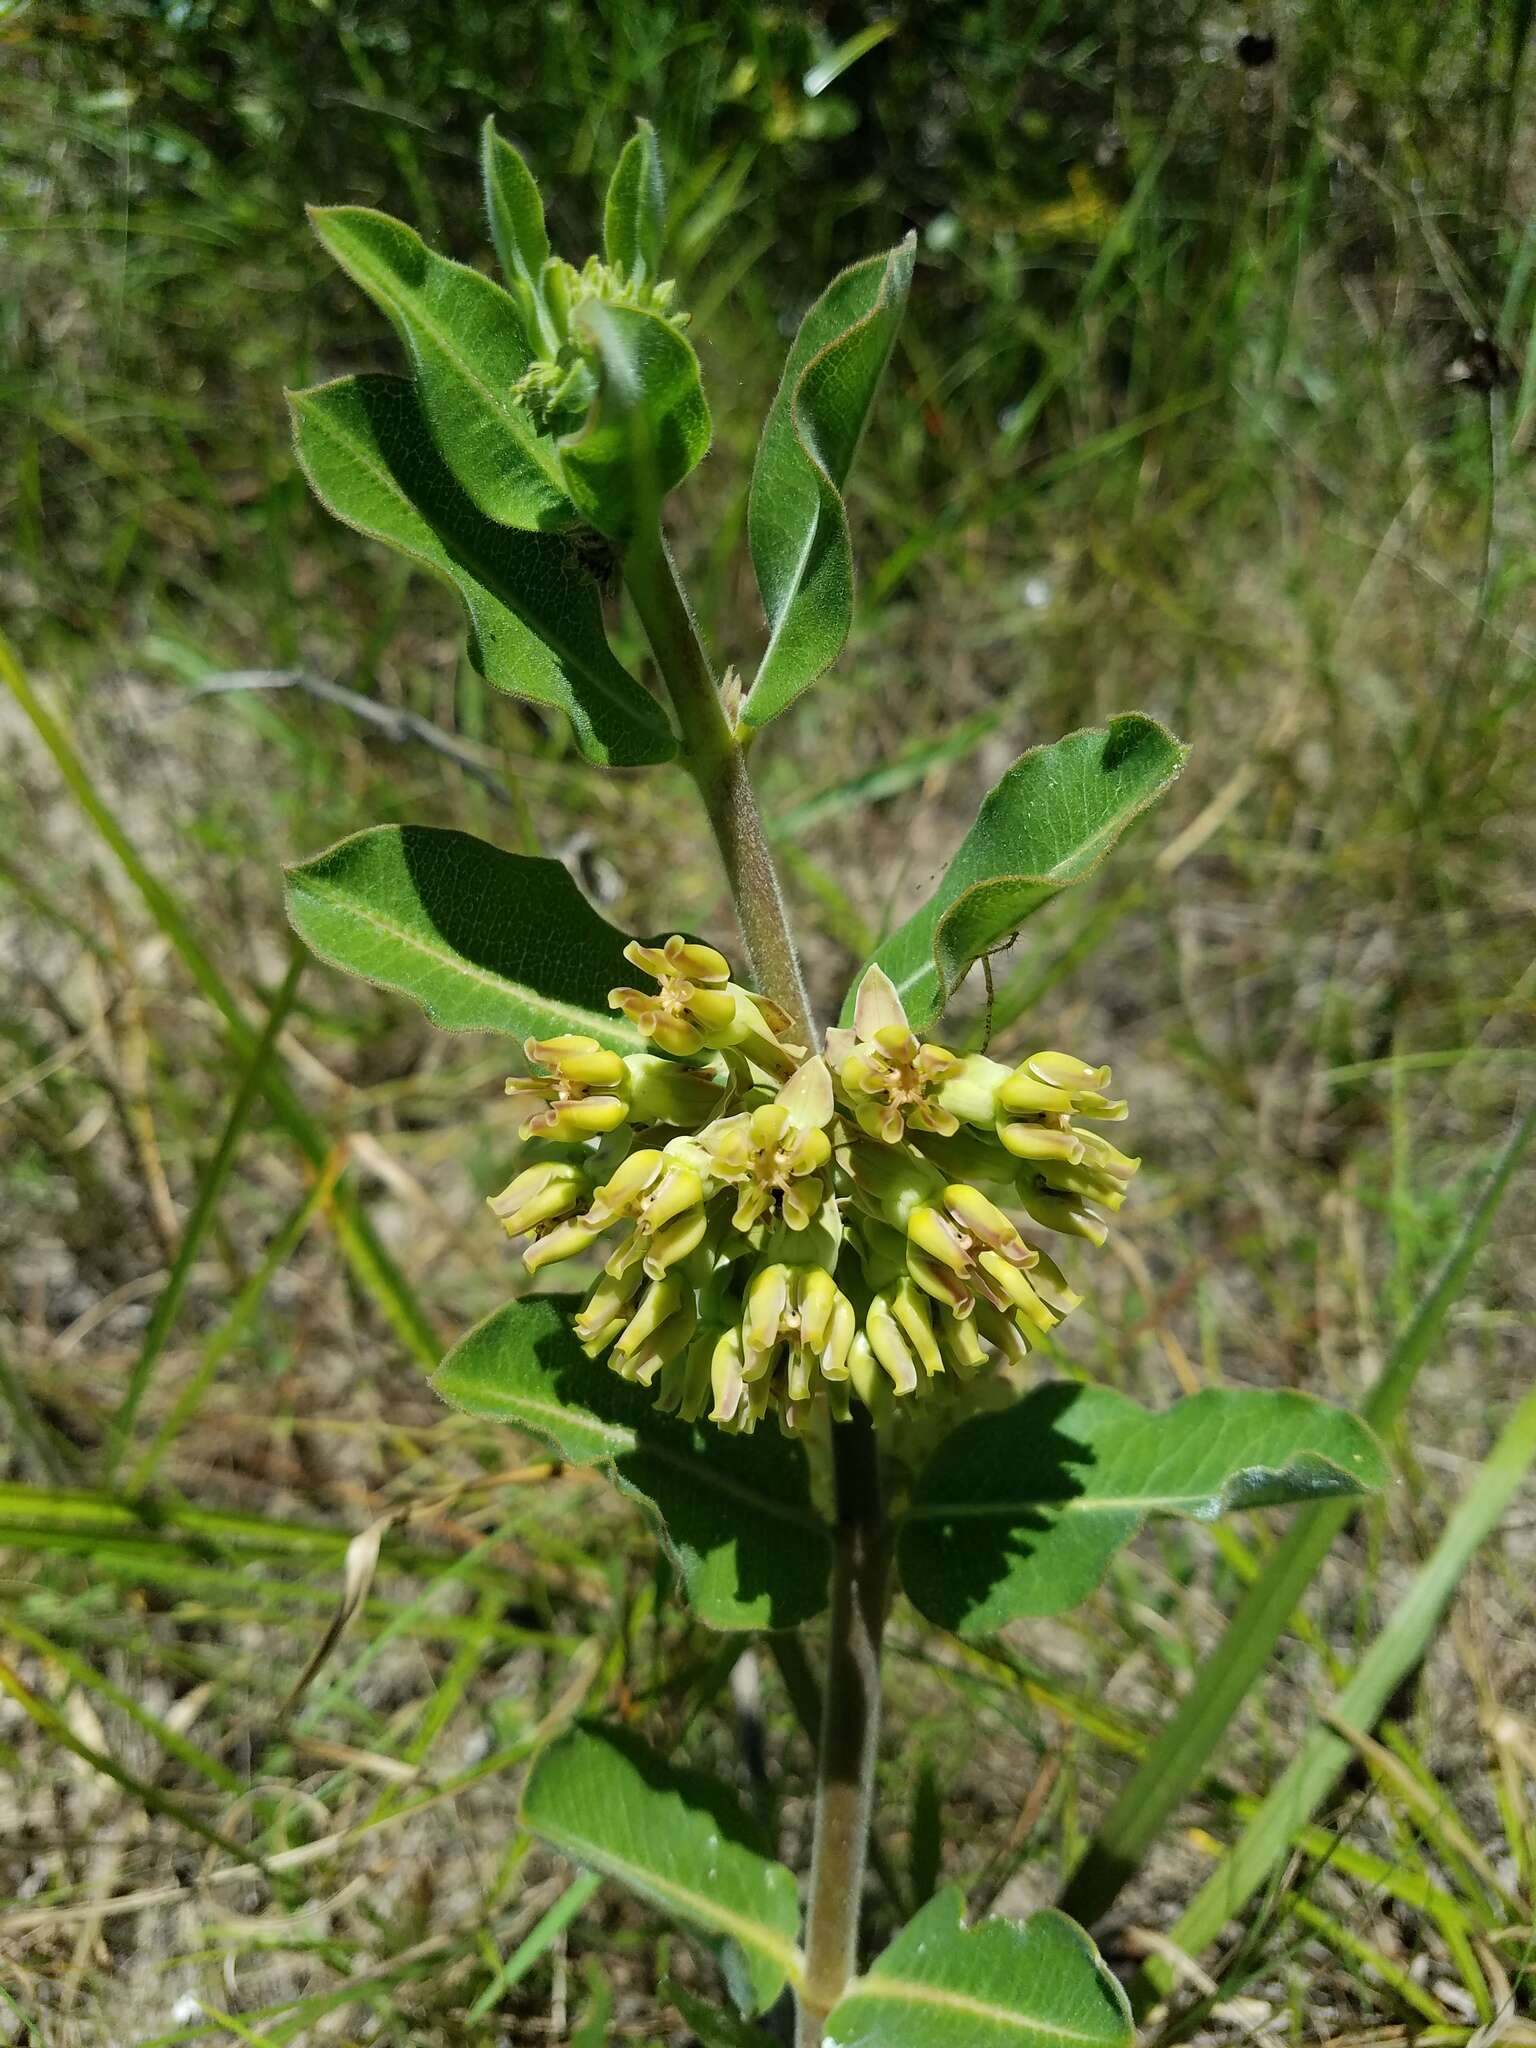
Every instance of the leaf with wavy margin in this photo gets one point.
(468, 344)
(797, 524)
(1020, 1512)
(1044, 825)
(483, 940)
(1039, 1983)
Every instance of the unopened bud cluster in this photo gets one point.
(560, 383)
(779, 1232)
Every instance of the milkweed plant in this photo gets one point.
(817, 1268)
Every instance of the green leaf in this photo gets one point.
(1048, 823)
(711, 2027)
(681, 1841)
(797, 525)
(483, 940)
(635, 211)
(1000, 1984)
(468, 346)
(514, 209)
(735, 1512)
(535, 613)
(648, 425)
(1020, 1512)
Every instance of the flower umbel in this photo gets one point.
(801, 1232)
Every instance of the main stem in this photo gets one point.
(851, 1699)
(850, 1726)
(714, 758)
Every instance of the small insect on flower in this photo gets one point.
(801, 1231)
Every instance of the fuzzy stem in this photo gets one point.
(714, 758)
(850, 1726)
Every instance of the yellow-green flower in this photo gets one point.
(892, 1080)
(663, 1197)
(774, 1155)
(584, 1094)
(692, 1007)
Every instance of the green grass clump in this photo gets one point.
(1216, 395)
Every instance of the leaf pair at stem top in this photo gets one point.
(544, 422)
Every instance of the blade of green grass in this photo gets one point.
(1179, 1757)
(210, 1187)
(85, 1674)
(242, 1312)
(46, 1717)
(1354, 1949)
(539, 1940)
(95, 1523)
(375, 1269)
(1325, 1753)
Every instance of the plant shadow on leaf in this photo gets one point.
(1020, 1513)
(696, 1789)
(954, 1557)
(472, 542)
(701, 1479)
(735, 1511)
(468, 892)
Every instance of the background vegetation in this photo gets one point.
(1215, 398)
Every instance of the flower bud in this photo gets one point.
(664, 1198)
(969, 1090)
(892, 1181)
(900, 1331)
(662, 1092)
(682, 1386)
(540, 1195)
(657, 1332)
(584, 1094)
(870, 1381)
(605, 1311)
(738, 1404)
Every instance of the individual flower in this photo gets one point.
(662, 1196)
(774, 1155)
(584, 1093)
(693, 1006)
(642, 1329)
(697, 1007)
(892, 1080)
(793, 1340)
(542, 1202)
(964, 1247)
